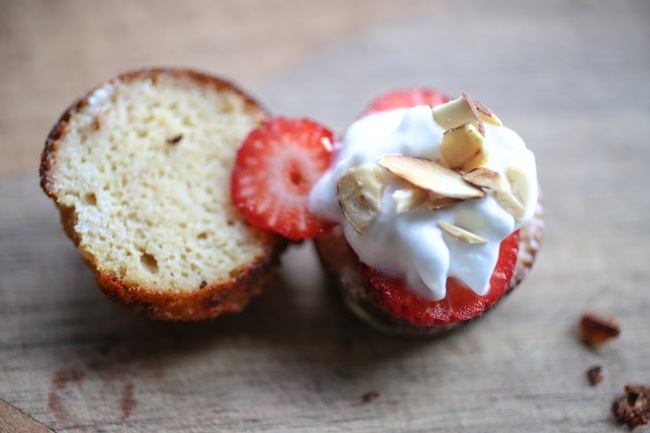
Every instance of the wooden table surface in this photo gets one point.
(571, 76)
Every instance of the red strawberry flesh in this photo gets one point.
(275, 169)
(405, 99)
(460, 303)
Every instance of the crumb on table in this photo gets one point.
(633, 408)
(595, 375)
(596, 330)
(370, 396)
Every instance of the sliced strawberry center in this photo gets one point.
(295, 176)
(275, 169)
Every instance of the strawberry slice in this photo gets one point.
(275, 169)
(405, 99)
(461, 303)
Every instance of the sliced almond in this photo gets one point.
(511, 204)
(408, 199)
(475, 113)
(431, 176)
(519, 185)
(482, 112)
(462, 148)
(455, 113)
(436, 202)
(487, 115)
(359, 192)
(460, 234)
(486, 178)
(464, 109)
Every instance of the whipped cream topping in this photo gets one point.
(412, 244)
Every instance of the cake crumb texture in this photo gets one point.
(140, 170)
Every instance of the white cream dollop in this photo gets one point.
(411, 245)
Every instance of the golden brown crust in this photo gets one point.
(207, 302)
(531, 236)
(342, 265)
(209, 299)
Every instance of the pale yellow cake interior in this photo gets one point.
(146, 168)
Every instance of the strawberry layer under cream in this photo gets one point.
(411, 245)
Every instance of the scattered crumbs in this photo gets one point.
(596, 330)
(175, 139)
(203, 284)
(370, 396)
(633, 408)
(595, 375)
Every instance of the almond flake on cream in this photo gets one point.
(360, 190)
(407, 199)
(486, 178)
(519, 186)
(487, 115)
(511, 204)
(464, 109)
(436, 202)
(460, 233)
(463, 148)
(431, 176)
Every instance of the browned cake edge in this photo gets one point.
(211, 298)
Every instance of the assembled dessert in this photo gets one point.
(180, 193)
(139, 169)
(425, 214)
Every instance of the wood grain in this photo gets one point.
(55, 51)
(570, 76)
(14, 421)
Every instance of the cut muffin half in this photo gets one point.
(139, 169)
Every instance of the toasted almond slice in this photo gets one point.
(510, 203)
(464, 109)
(359, 192)
(486, 178)
(519, 185)
(435, 202)
(487, 115)
(483, 112)
(475, 113)
(409, 198)
(460, 234)
(457, 112)
(462, 148)
(430, 176)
